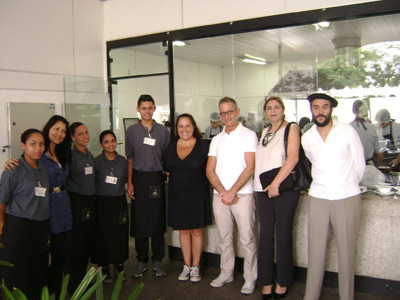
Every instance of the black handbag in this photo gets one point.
(267, 177)
(301, 173)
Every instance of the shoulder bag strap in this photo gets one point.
(286, 136)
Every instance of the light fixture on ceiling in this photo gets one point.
(179, 43)
(253, 59)
(322, 25)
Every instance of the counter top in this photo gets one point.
(378, 245)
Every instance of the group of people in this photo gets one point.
(93, 208)
(61, 203)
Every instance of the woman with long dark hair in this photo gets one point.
(56, 159)
(189, 208)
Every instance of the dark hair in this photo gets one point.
(63, 150)
(73, 127)
(227, 100)
(104, 133)
(27, 133)
(144, 98)
(277, 99)
(197, 134)
(303, 121)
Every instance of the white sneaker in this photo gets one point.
(195, 274)
(221, 280)
(248, 287)
(185, 273)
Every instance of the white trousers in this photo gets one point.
(243, 212)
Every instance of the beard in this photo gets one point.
(323, 123)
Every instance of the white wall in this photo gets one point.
(42, 42)
(125, 18)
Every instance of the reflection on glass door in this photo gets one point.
(125, 96)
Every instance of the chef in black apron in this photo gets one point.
(145, 144)
(81, 190)
(215, 128)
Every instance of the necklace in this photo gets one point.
(269, 136)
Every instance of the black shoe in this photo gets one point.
(281, 296)
(266, 296)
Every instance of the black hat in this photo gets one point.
(322, 96)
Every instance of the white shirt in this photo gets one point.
(230, 149)
(269, 157)
(337, 164)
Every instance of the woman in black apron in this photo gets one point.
(81, 190)
(24, 218)
(112, 220)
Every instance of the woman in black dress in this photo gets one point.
(189, 209)
(112, 221)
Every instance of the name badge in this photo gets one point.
(40, 191)
(88, 170)
(111, 179)
(149, 141)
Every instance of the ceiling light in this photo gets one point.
(179, 43)
(321, 25)
(253, 59)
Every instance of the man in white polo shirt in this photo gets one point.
(338, 164)
(230, 169)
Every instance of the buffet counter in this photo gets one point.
(378, 245)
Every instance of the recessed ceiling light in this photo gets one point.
(179, 43)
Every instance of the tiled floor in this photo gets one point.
(169, 288)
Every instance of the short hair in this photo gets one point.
(73, 127)
(277, 99)
(104, 133)
(197, 134)
(303, 122)
(145, 98)
(27, 133)
(227, 100)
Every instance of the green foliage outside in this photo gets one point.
(83, 292)
(377, 66)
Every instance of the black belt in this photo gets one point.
(57, 189)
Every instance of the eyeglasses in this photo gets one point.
(226, 113)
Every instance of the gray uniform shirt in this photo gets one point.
(146, 157)
(17, 191)
(79, 181)
(368, 137)
(117, 168)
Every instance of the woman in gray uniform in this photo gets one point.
(81, 190)
(112, 221)
(24, 219)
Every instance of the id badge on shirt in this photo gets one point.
(111, 179)
(40, 191)
(88, 170)
(149, 141)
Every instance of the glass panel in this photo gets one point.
(125, 96)
(87, 102)
(350, 60)
(139, 60)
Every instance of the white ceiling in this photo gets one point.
(299, 43)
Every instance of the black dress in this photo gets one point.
(188, 189)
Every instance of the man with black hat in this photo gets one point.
(367, 133)
(338, 164)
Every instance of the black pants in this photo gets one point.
(80, 239)
(26, 246)
(157, 248)
(276, 214)
(58, 259)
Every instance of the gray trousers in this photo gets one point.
(344, 217)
